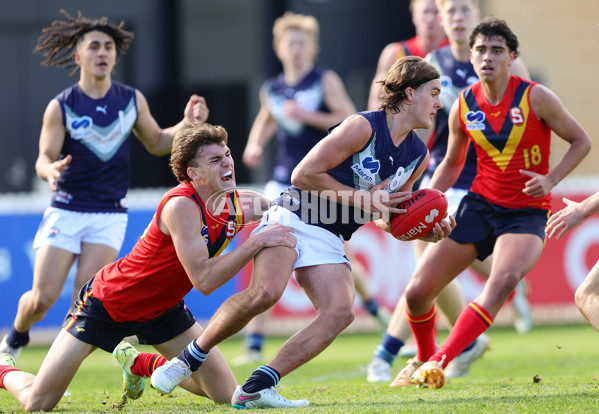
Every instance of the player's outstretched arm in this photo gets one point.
(347, 139)
(181, 219)
(571, 216)
(156, 140)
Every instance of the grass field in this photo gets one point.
(564, 358)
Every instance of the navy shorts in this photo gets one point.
(92, 324)
(481, 223)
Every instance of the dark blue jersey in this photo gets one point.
(97, 137)
(455, 76)
(294, 139)
(378, 160)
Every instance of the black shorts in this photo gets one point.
(481, 223)
(91, 323)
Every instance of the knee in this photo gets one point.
(509, 282)
(339, 317)
(40, 404)
(41, 302)
(581, 297)
(263, 298)
(417, 295)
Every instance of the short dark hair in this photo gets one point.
(492, 27)
(59, 40)
(188, 140)
(409, 71)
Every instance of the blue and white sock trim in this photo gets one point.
(274, 375)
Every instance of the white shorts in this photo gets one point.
(315, 245)
(454, 196)
(68, 229)
(273, 189)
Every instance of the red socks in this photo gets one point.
(5, 369)
(472, 322)
(146, 363)
(423, 328)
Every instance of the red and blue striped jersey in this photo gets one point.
(128, 287)
(508, 138)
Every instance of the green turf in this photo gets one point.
(563, 359)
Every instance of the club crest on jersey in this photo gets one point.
(81, 127)
(367, 168)
(516, 115)
(475, 120)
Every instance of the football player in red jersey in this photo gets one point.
(142, 293)
(510, 121)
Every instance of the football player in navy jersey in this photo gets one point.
(297, 108)
(360, 171)
(84, 157)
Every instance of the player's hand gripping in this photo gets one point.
(381, 203)
(275, 234)
(441, 230)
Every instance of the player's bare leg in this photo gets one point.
(50, 271)
(330, 288)
(514, 256)
(587, 297)
(215, 380)
(44, 391)
(272, 269)
(92, 258)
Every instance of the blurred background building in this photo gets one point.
(223, 50)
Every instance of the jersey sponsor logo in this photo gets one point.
(81, 127)
(367, 169)
(371, 164)
(475, 120)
